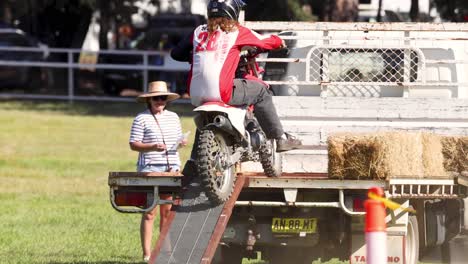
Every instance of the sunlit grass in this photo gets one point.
(54, 162)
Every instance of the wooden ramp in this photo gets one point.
(194, 228)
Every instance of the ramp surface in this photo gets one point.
(190, 234)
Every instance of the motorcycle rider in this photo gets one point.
(213, 51)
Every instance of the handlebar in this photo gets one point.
(250, 52)
(247, 61)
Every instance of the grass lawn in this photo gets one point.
(54, 162)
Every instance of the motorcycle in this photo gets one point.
(229, 135)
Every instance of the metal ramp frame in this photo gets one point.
(194, 228)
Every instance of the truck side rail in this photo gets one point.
(394, 188)
(153, 183)
(415, 187)
(335, 26)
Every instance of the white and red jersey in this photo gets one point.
(215, 58)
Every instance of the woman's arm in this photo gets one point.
(146, 147)
(184, 141)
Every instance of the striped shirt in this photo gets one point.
(146, 130)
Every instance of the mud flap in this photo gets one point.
(457, 249)
(397, 222)
(395, 249)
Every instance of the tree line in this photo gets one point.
(63, 23)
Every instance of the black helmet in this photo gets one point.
(225, 8)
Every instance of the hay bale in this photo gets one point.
(433, 159)
(449, 150)
(401, 155)
(360, 157)
(383, 155)
(455, 153)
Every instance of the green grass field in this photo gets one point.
(54, 162)
(54, 197)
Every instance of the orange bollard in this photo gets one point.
(376, 229)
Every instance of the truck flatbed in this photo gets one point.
(394, 187)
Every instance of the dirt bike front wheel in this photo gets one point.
(216, 173)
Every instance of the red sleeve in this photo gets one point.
(249, 37)
(189, 77)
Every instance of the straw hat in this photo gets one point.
(158, 88)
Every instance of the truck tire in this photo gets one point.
(111, 88)
(231, 254)
(34, 80)
(270, 160)
(412, 241)
(213, 155)
(291, 255)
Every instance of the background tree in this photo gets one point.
(414, 11)
(6, 15)
(335, 10)
(379, 12)
(277, 10)
(452, 10)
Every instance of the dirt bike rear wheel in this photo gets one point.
(270, 160)
(213, 157)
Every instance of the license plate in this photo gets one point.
(294, 225)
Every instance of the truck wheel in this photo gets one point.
(213, 166)
(231, 255)
(111, 88)
(412, 241)
(271, 161)
(291, 255)
(35, 80)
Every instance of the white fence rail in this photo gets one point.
(167, 64)
(408, 55)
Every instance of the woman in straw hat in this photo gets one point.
(156, 134)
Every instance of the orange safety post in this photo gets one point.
(376, 229)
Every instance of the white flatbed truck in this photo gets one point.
(336, 77)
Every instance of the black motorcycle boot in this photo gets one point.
(288, 143)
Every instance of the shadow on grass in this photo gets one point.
(95, 108)
(98, 262)
(122, 260)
